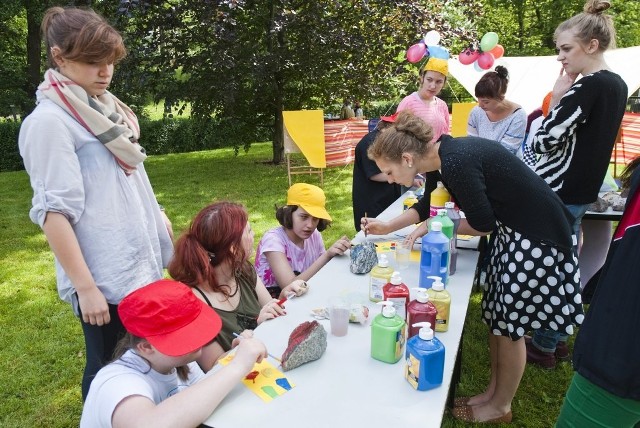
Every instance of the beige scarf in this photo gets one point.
(106, 117)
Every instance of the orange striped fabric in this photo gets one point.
(628, 146)
(340, 139)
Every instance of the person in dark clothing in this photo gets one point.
(605, 390)
(371, 192)
(576, 138)
(533, 280)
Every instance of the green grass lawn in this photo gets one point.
(41, 346)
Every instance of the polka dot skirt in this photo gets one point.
(531, 285)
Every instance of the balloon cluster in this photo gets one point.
(483, 58)
(427, 47)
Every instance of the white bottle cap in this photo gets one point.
(440, 184)
(437, 284)
(421, 294)
(395, 278)
(425, 332)
(382, 260)
(388, 310)
(449, 205)
(436, 226)
(442, 211)
(410, 194)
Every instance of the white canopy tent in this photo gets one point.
(532, 77)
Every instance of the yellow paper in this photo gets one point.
(266, 381)
(305, 128)
(389, 246)
(460, 118)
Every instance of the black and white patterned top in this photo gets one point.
(576, 138)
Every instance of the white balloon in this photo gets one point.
(432, 38)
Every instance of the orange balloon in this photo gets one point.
(497, 51)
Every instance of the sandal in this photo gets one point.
(461, 401)
(465, 414)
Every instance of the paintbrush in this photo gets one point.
(272, 356)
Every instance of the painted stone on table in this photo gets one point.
(307, 342)
(363, 258)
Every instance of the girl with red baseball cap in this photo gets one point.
(154, 380)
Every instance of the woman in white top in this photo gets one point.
(91, 194)
(495, 117)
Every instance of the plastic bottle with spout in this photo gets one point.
(434, 255)
(421, 309)
(441, 299)
(387, 334)
(437, 199)
(442, 217)
(424, 359)
(409, 200)
(454, 215)
(379, 276)
(396, 292)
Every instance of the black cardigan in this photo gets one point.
(489, 183)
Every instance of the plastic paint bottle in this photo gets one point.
(397, 293)
(434, 255)
(437, 199)
(442, 217)
(454, 215)
(409, 200)
(420, 310)
(387, 335)
(379, 276)
(441, 299)
(424, 359)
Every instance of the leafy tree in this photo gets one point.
(244, 62)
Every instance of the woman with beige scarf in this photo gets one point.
(91, 194)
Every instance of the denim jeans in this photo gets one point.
(543, 339)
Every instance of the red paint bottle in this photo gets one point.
(397, 293)
(420, 310)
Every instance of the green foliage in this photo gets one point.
(10, 159)
(159, 137)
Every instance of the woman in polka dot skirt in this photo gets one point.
(533, 276)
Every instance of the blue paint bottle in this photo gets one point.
(424, 359)
(434, 256)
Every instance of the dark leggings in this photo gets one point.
(100, 341)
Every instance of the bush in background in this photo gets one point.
(179, 135)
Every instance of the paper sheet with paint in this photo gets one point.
(266, 381)
(390, 246)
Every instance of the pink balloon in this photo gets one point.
(497, 51)
(468, 56)
(486, 60)
(416, 52)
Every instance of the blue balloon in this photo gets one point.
(476, 66)
(438, 51)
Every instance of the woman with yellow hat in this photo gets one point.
(295, 250)
(425, 103)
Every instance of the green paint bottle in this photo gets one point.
(387, 334)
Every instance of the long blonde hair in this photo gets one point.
(591, 24)
(408, 134)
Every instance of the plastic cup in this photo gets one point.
(339, 317)
(403, 255)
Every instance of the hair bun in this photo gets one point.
(596, 7)
(502, 72)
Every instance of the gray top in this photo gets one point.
(508, 131)
(115, 216)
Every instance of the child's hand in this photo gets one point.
(246, 334)
(297, 287)
(339, 247)
(249, 352)
(270, 311)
